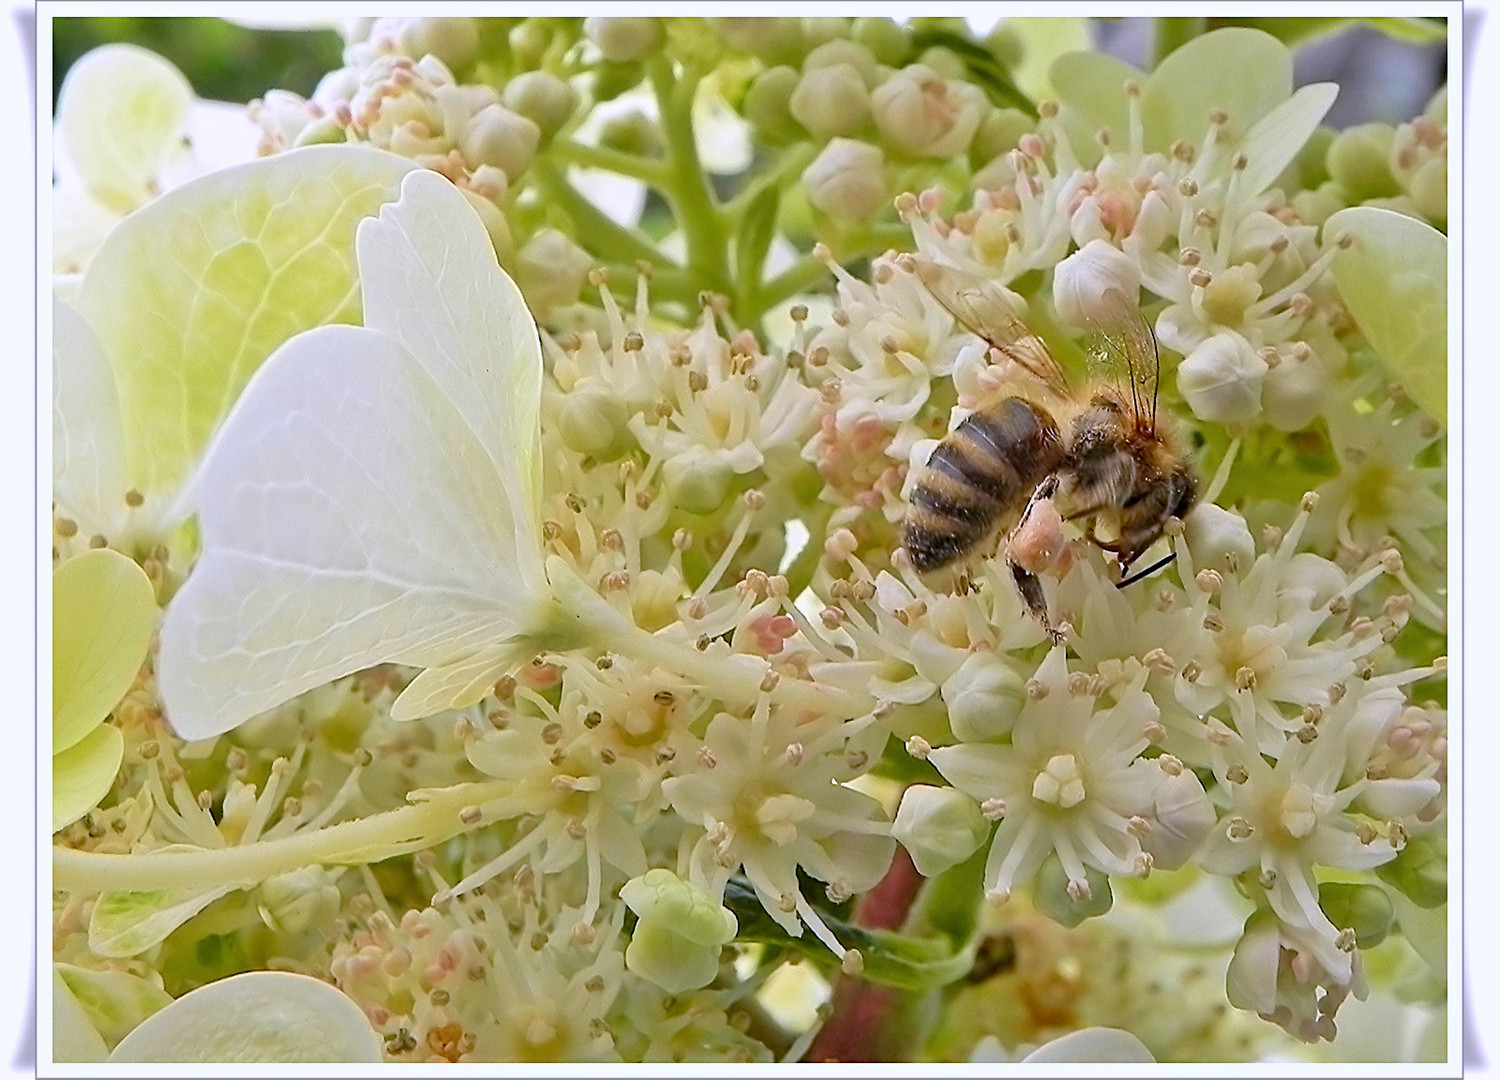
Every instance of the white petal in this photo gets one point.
(88, 446)
(349, 516)
(1091, 1044)
(258, 1016)
(430, 280)
(1276, 137)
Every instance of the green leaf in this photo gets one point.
(82, 774)
(890, 959)
(103, 614)
(192, 292)
(1394, 281)
(129, 923)
(116, 1001)
(1419, 31)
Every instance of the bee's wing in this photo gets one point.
(982, 308)
(1122, 350)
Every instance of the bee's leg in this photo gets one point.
(1153, 568)
(1030, 588)
(1045, 490)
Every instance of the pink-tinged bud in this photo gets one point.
(1082, 280)
(847, 180)
(921, 113)
(1221, 380)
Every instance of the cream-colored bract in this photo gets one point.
(374, 495)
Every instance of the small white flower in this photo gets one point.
(1221, 380)
(1080, 282)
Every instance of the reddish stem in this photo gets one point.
(859, 1027)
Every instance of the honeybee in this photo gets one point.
(1011, 462)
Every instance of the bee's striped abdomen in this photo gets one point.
(987, 466)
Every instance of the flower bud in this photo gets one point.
(624, 39)
(550, 269)
(1294, 392)
(676, 942)
(1221, 380)
(496, 136)
(1317, 206)
(592, 419)
(983, 696)
(1216, 537)
(944, 61)
(1181, 817)
(939, 826)
(1250, 982)
(453, 41)
(1230, 293)
(1357, 161)
(298, 901)
(768, 105)
(1053, 898)
(1080, 282)
(847, 180)
(921, 113)
(494, 221)
(633, 132)
(885, 38)
(776, 40)
(844, 51)
(325, 129)
(696, 480)
(542, 98)
(1429, 188)
(529, 40)
(831, 101)
(1357, 906)
(998, 134)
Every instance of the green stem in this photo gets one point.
(363, 840)
(617, 161)
(603, 236)
(688, 191)
(1171, 34)
(801, 276)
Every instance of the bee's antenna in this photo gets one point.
(1153, 568)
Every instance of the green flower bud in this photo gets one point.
(681, 929)
(774, 40)
(998, 133)
(1221, 380)
(820, 31)
(1363, 908)
(496, 136)
(697, 481)
(624, 39)
(542, 98)
(591, 419)
(550, 269)
(325, 129)
(885, 38)
(529, 41)
(1055, 899)
(298, 901)
(1429, 188)
(768, 105)
(633, 132)
(612, 80)
(847, 180)
(831, 101)
(983, 696)
(945, 62)
(939, 826)
(1317, 206)
(1006, 44)
(1419, 872)
(1358, 161)
(843, 51)
(1216, 537)
(453, 41)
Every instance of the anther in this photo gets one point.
(470, 815)
(134, 498)
(1036, 690)
(918, 747)
(1244, 678)
(1213, 622)
(1200, 277)
(1236, 774)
